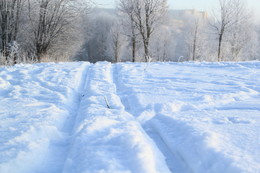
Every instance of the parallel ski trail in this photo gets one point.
(59, 148)
(109, 139)
(174, 163)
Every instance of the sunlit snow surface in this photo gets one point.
(162, 117)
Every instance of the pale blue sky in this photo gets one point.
(206, 5)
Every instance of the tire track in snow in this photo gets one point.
(174, 162)
(59, 149)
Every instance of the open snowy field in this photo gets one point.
(130, 118)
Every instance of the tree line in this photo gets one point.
(136, 30)
(39, 30)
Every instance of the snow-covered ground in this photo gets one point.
(160, 117)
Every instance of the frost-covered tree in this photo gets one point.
(146, 16)
(32, 29)
(196, 38)
(195, 35)
(10, 18)
(125, 8)
(50, 20)
(229, 17)
(246, 46)
(98, 42)
(116, 40)
(161, 43)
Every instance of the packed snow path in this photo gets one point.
(109, 139)
(162, 117)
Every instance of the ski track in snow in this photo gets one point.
(37, 103)
(163, 117)
(174, 163)
(109, 140)
(197, 115)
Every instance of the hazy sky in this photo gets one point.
(206, 5)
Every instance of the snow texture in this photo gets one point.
(130, 118)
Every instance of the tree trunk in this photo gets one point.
(117, 51)
(134, 49)
(194, 49)
(219, 46)
(146, 50)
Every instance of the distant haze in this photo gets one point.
(205, 5)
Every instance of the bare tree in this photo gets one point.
(98, 44)
(161, 43)
(241, 32)
(237, 39)
(115, 32)
(196, 37)
(10, 12)
(146, 16)
(230, 13)
(126, 8)
(50, 20)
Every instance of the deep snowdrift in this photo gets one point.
(163, 117)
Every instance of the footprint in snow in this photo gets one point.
(236, 120)
(232, 120)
